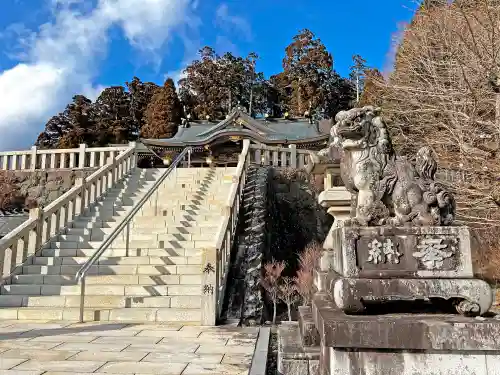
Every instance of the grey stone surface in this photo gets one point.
(50, 353)
(402, 252)
(293, 357)
(431, 332)
(244, 297)
(39, 188)
(259, 361)
(476, 296)
(10, 222)
(372, 362)
(308, 332)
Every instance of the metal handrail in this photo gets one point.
(125, 224)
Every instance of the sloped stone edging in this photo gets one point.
(259, 360)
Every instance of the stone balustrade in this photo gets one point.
(284, 157)
(24, 241)
(72, 158)
(215, 261)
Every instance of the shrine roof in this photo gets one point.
(240, 124)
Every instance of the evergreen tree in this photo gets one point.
(357, 74)
(114, 122)
(140, 96)
(308, 79)
(214, 84)
(164, 113)
(373, 88)
(71, 127)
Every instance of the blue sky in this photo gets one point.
(53, 49)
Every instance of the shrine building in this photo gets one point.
(219, 143)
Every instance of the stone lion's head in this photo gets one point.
(361, 128)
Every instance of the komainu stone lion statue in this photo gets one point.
(390, 190)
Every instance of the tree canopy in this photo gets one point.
(164, 113)
(213, 84)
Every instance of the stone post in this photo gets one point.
(33, 158)
(80, 203)
(209, 286)
(133, 159)
(293, 156)
(35, 237)
(81, 157)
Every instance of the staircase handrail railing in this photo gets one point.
(215, 262)
(125, 224)
(45, 223)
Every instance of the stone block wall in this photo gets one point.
(296, 217)
(39, 188)
(244, 300)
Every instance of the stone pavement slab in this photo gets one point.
(66, 348)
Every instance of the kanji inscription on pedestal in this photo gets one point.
(383, 252)
(432, 252)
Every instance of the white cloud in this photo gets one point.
(397, 38)
(62, 57)
(230, 22)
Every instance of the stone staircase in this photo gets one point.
(159, 280)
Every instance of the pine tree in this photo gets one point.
(163, 113)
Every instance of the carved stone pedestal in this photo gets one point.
(405, 344)
(370, 264)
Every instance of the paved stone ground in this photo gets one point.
(58, 348)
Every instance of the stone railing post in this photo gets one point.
(111, 173)
(35, 236)
(81, 201)
(81, 157)
(33, 158)
(293, 156)
(133, 158)
(209, 286)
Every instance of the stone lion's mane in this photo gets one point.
(377, 147)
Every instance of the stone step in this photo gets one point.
(140, 252)
(101, 290)
(109, 279)
(97, 223)
(133, 244)
(179, 216)
(207, 230)
(164, 315)
(188, 207)
(118, 214)
(134, 236)
(151, 270)
(137, 260)
(165, 224)
(109, 301)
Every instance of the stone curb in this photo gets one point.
(259, 360)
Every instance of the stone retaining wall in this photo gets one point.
(39, 188)
(244, 299)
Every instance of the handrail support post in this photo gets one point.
(127, 239)
(82, 298)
